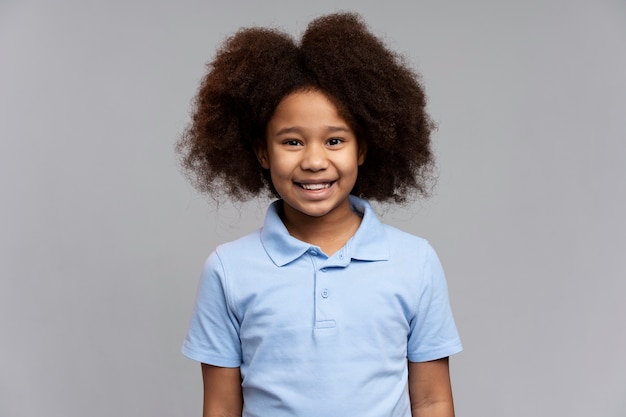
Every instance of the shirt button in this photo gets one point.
(324, 269)
(325, 293)
(313, 252)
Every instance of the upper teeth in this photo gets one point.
(315, 186)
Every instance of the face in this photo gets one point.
(313, 155)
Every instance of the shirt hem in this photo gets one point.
(436, 354)
(210, 360)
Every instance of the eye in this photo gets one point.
(335, 141)
(292, 142)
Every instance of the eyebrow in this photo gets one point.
(297, 129)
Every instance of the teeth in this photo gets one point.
(315, 186)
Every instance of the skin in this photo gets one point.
(430, 390)
(222, 392)
(313, 156)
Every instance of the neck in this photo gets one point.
(329, 232)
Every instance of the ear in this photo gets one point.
(362, 153)
(260, 149)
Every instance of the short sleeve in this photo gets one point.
(213, 334)
(433, 334)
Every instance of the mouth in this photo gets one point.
(316, 186)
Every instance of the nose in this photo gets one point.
(314, 158)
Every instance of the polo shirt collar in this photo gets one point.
(369, 243)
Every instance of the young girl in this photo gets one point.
(324, 311)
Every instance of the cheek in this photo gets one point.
(277, 167)
(279, 176)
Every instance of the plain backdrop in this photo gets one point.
(102, 240)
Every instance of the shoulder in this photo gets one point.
(396, 235)
(412, 252)
(388, 242)
(401, 241)
(235, 260)
(235, 249)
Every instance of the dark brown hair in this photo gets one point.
(374, 90)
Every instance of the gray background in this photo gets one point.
(102, 240)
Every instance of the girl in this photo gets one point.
(324, 311)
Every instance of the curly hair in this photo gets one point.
(374, 90)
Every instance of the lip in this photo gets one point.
(317, 188)
(315, 185)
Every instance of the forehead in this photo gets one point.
(309, 108)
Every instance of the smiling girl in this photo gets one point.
(323, 311)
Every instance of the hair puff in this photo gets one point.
(374, 90)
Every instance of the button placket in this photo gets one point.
(324, 314)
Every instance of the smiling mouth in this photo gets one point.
(314, 187)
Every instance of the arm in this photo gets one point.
(222, 391)
(430, 390)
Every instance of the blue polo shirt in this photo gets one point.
(319, 336)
